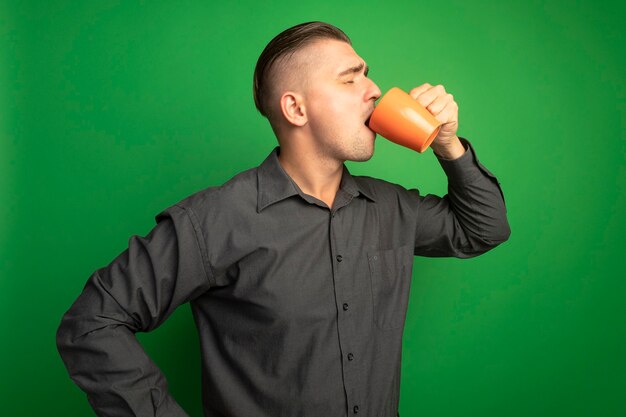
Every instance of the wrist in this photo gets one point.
(451, 149)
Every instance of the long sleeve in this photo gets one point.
(136, 292)
(471, 219)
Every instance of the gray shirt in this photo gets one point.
(300, 308)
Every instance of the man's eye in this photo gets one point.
(350, 82)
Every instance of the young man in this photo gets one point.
(297, 272)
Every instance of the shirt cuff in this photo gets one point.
(463, 169)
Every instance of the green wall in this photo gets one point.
(113, 110)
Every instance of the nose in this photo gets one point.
(373, 92)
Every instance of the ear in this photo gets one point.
(293, 109)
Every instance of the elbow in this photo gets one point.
(64, 344)
(497, 235)
(507, 232)
(502, 233)
(479, 243)
(69, 338)
(64, 336)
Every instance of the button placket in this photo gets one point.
(345, 337)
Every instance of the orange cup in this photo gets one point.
(399, 118)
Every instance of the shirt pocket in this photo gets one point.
(390, 275)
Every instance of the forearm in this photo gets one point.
(477, 202)
(468, 221)
(136, 292)
(105, 359)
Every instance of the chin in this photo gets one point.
(362, 156)
(359, 148)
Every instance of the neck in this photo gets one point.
(317, 175)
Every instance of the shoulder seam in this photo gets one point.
(206, 266)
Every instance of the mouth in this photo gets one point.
(367, 121)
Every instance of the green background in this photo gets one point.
(111, 111)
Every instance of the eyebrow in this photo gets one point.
(354, 70)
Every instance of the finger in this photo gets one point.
(428, 96)
(448, 114)
(415, 93)
(440, 103)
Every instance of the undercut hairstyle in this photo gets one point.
(283, 46)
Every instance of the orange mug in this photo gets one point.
(399, 118)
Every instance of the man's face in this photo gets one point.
(339, 99)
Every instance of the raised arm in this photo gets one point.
(471, 218)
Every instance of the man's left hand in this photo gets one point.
(441, 105)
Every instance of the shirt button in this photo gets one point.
(339, 258)
(375, 258)
(350, 356)
(345, 306)
(355, 409)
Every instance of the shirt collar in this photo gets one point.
(274, 184)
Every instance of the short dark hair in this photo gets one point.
(284, 44)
